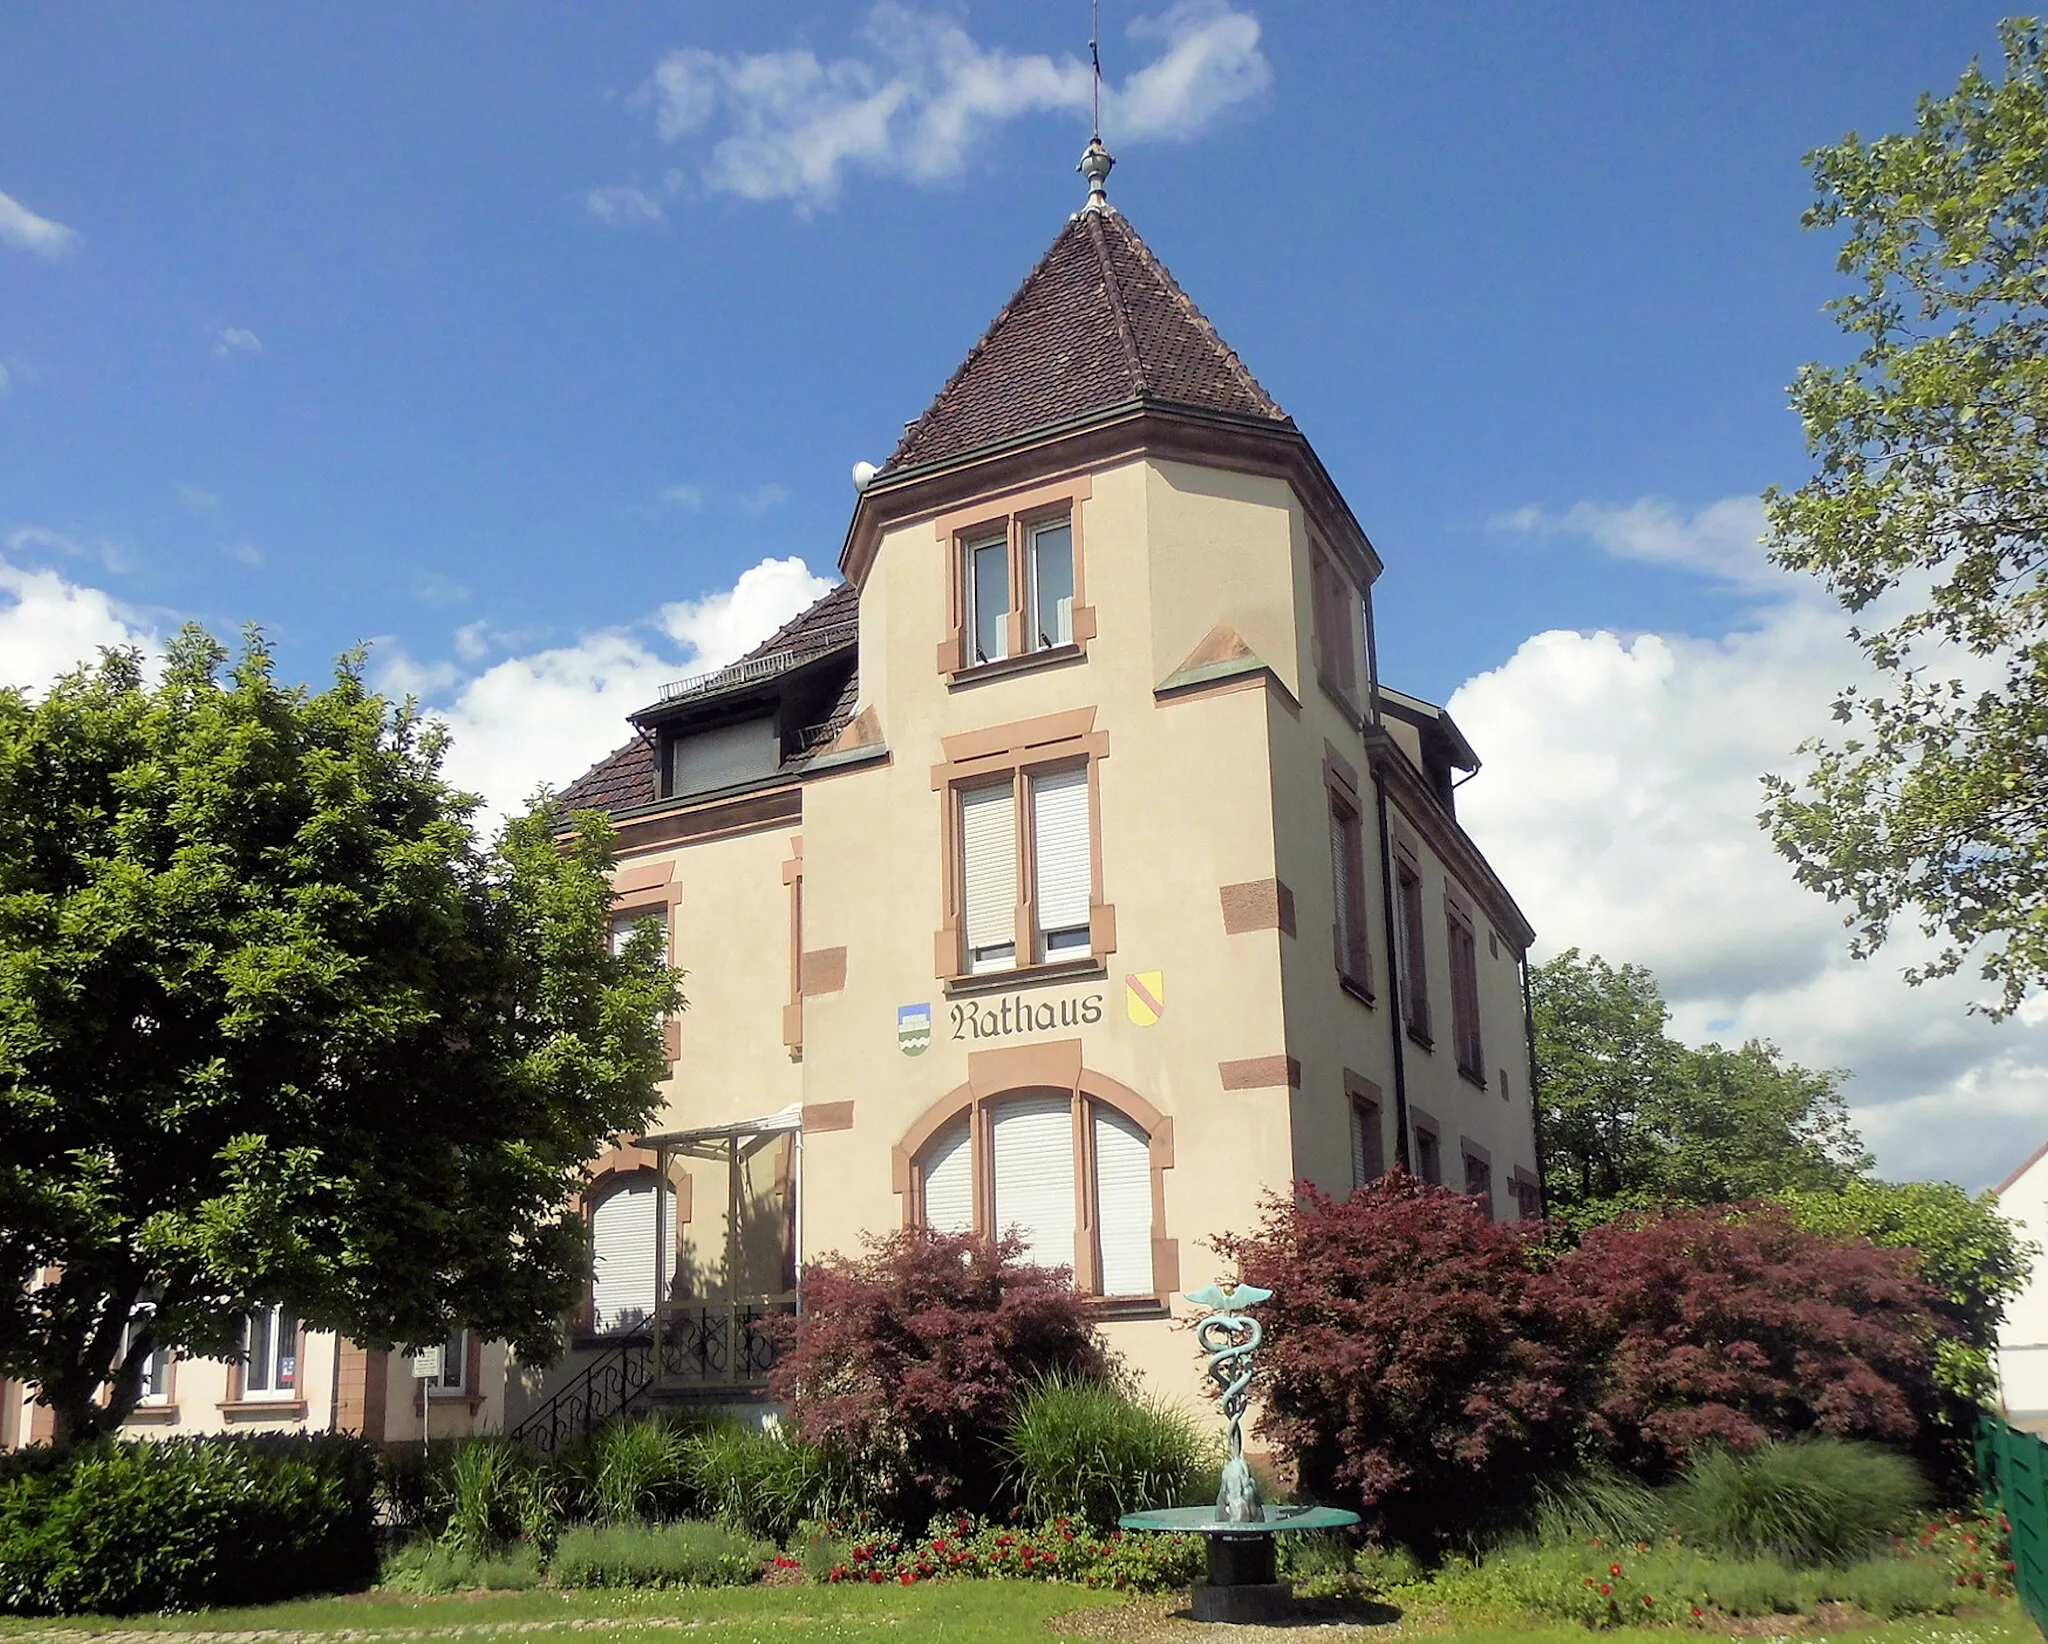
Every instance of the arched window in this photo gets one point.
(624, 1239)
(1072, 1174)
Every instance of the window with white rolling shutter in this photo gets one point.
(1059, 831)
(1123, 1205)
(623, 1241)
(949, 1182)
(1033, 1140)
(988, 854)
(1016, 1169)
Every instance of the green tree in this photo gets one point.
(1961, 1246)
(1633, 1117)
(1927, 516)
(275, 1029)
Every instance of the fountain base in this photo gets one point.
(1243, 1584)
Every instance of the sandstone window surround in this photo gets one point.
(1022, 850)
(1478, 1173)
(1368, 1143)
(1408, 927)
(649, 890)
(1016, 591)
(270, 1379)
(1429, 1146)
(1072, 1159)
(1337, 610)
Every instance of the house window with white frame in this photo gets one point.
(271, 1340)
(988, 599)
(452, 1380)
(1069, 1174)
(1049, 869)
(156, 1370)
(1049, 560)
(1018, 589)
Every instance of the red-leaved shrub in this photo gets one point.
(1429, 1368)
(1405, 1369)
(909, 1358)
(1730, 1325)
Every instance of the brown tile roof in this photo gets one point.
(625, 777)
(1099, 323)
(618, 781)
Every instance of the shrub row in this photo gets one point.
(960, 1546)
(177, 1524)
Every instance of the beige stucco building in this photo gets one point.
(1067, 869)
(2023, 1335)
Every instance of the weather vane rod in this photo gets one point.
(1095, 57)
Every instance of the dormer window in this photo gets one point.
(723, 756)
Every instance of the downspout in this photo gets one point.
(1379, 794)
(1535, 1087)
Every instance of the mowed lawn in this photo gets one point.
(979, 1612)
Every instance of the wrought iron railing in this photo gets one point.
(704, 1346)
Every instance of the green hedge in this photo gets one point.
(116, 1528)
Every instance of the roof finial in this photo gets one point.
(1095, 163)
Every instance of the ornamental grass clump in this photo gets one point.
(635, 1469)
(1080, 1448)
(764, 1483)
(485, 1485)
(657, 1555)
(1813, 1502)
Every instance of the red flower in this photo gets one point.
(1614, 1569)
(1648, 1601)
(906, 1578)
(1605, 1589)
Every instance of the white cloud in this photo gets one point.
(28, 539)
(547, 716)
(1723, 540)
(1619, 802)
(719, 627)
(682, 496)
(243, 552)
(618, 203)
(925, 92)
(49, 625)
(21, 226)
(199, 499)
(231, 340)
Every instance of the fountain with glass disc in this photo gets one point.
(1241, 1531)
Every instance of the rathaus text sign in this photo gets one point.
(968, 1021)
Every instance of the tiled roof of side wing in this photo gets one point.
(1098, 323)
(828, 621)
(623, 778)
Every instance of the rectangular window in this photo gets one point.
(623, 926)
(1528, 1198)
(272, 1370)
(1347, 866)
(1464, 953)
(1479, 1183)
(988, 598)
(1414, 958)
(988, 854)
(454, 1376)
(1429, 1157)
(1052, 584)
(1337, 642)
(156, 1373)
(1060, 862)
(1368, 1159)
(724, 756)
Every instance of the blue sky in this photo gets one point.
(534, 342)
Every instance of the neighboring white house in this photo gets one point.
(2023, 1338)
